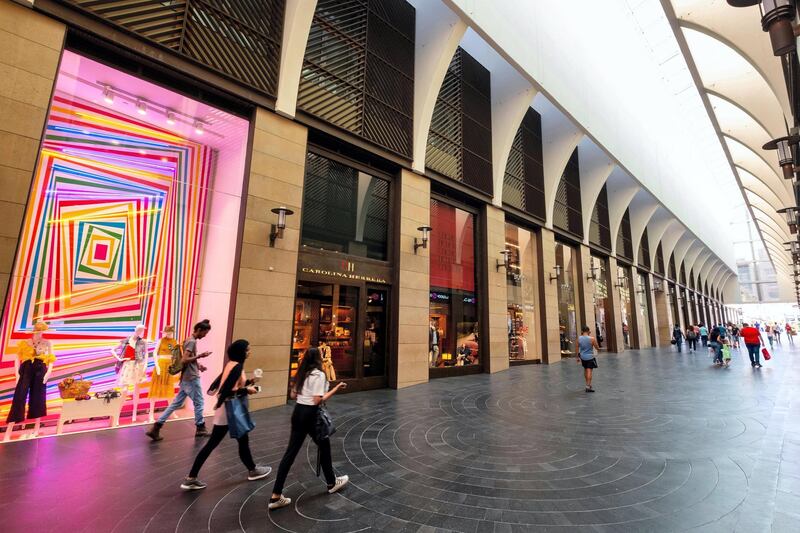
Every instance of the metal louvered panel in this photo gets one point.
(599, 231)
(238, 38)
(525, 164)
(659, 260)
(624, 242)
(568, 198)
(644, 251)
(358, 70)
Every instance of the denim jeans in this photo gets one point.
(754, 351)
(704, 338)
(717, 346)
(192, 389)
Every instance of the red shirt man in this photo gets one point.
(751, 335)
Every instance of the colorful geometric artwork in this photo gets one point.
(112, 237)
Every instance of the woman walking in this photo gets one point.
(231, 383)
(311, 390)
(770, 335)
(691, 339)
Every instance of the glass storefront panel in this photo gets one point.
(135, 197)
(602, 304)
(375, 332)
(626, 305)
(643, 290)
(672, 294)
(522, 294)
(453, 317)
(344, 210)
(566, 263)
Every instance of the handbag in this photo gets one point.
(766, 354)
(237, 410)
(324, 429)
(73, 387)
(107, 395)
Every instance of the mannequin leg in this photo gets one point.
(9, 431)
(150, 418)
(36, 427)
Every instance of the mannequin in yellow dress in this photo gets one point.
(162, 383)
(33, 367)
(327, 361)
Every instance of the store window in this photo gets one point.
(344, 210)
(625, 284)
(523, 296)
(643, 290)
(453, 317)
(602, 304)
(567, 270)
(133, 203)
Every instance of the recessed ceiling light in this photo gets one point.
(170, 118)
(141, 107)
(108, 95)
(199, 127)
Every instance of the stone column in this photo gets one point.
(586, 289)
(661, 316)
(413, 279)
(31, 49)
(268, 276)
(616, 307)
(497, 300)
(551, 347)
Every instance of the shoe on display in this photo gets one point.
(192, 484)
(283, 501)
(202, 431)
(258, 472)
(341, 481)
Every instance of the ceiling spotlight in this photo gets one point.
(170, 118)
(199, 127)
(784, 147)
(108, 94)
(141, 107)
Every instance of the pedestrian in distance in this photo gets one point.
(753, 342)
(789, 333)
(691, 339)
(231, 385)
(776, 329)
(704, 335)
(311, 392)
(677, 337)
(190, 384)
(586, 355)
(769, 329)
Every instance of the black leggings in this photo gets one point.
(692, 343)
(304, 420)
(217, 434)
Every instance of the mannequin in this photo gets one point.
(433, 343)
(132, 353)
(327, 361)
(32, 368)
(162, 383)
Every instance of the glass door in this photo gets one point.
(375, 332)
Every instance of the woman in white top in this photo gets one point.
(230, 383)
(310, 390)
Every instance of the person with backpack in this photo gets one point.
(190, 385)
(677, 337)
(311, 392)
(230, 386)
(691, 339)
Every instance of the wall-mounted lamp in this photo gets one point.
(777, 20)
(276, 231)
(557, 268)
(506, 260)
(785, 158)
(623, 282)
(794, 247)
(424, 242)
(790, 214)
(592, 276)
(657, 287)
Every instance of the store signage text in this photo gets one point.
(348, 272)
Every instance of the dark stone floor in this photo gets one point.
(667, 443)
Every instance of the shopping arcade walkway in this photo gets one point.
(667, 443)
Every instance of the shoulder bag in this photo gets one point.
(237, 409)
(323, 430)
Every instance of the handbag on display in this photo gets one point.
(766, 354)
(107, 395)
(74, 387)
(237, 409)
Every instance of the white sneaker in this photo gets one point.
(283, 501)
(341, 481)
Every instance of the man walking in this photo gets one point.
(704, 335)
(585, 352)
(190, 385)
(752, 339)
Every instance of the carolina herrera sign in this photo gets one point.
(342, 274)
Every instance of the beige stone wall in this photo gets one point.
(661, 316)
(616, 307)
(413, 282)
(30, 49)
(498, 294)
(268, 276)
(551, 348)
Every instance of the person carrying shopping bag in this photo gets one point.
(309, 418)
(231, 415)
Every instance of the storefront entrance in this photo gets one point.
(603, 325)
(345, 313)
